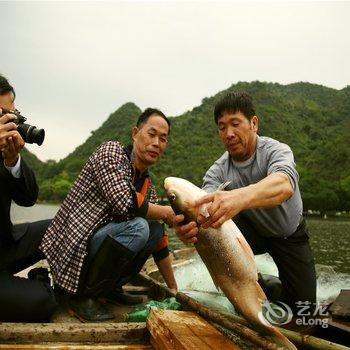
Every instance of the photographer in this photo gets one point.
(21, 299)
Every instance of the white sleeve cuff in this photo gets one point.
(16, 169)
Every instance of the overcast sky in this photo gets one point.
(74, 63)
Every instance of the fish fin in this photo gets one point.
(223, 186)
(246, 247)
(203, 210)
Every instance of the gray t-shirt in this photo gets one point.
(270, 156)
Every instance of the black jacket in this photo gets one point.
(24, 191)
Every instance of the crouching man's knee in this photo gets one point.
(141, 233)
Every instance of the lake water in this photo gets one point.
(330, 241)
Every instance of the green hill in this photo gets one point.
(35, 163)
(314, 120)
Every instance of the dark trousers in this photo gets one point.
(293, 257)
(23, 300)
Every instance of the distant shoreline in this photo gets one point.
(329, 215)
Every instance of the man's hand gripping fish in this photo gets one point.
(229, 259)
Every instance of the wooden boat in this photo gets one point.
(67, 332)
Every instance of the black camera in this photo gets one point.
(29, 133)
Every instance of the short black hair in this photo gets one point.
(234, 102)
(147, 113)
(5, 86)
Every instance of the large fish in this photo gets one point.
(229, 259)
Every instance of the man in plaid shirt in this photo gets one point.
(108, 224)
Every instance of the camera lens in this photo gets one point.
(31, 134)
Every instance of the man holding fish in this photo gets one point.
(261, 195)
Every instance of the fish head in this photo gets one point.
(182, 195)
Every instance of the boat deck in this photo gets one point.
(65, 331)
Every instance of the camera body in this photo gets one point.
(29, 133)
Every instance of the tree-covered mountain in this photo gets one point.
(314, 120)
(35, 163)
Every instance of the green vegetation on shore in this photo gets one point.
(312, 119)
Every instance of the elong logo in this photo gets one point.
(278, 313)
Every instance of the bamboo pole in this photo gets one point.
(231, 322)
(302, 340)
(243, 343)
(157, 290)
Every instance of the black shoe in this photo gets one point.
(89, 309)
(121, 297)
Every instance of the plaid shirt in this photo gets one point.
(102, 192)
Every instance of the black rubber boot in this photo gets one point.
(119, 296)
(271, 285)
(89, 309)
(105, 269)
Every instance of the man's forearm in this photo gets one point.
(155, 212)
(167, 272)
(160, 212)
(269, 192)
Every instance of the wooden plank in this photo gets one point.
(120, 333)
(76, 347)
(341, 306)
(184, 330)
